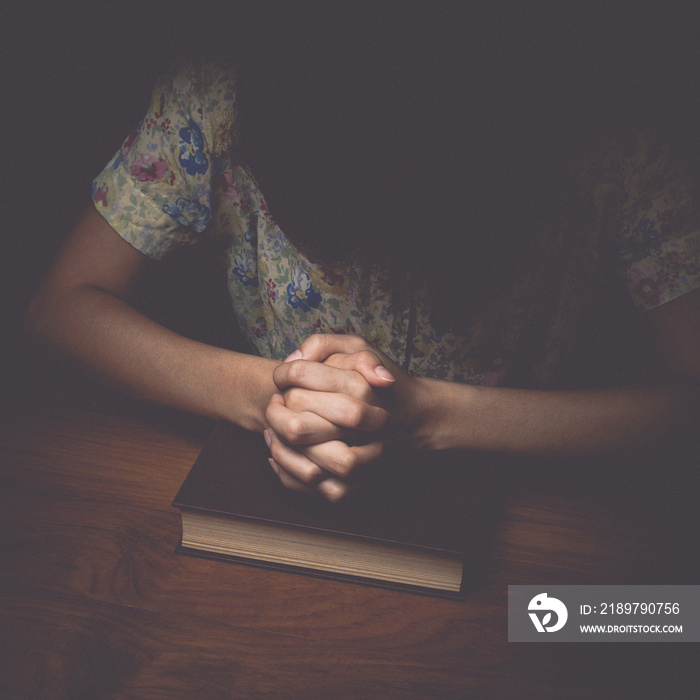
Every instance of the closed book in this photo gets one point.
(415, 523)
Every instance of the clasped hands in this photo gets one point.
(339, 401)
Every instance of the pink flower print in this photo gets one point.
(100, 195)
(148, 168)
(344, 330)
(332, 276)
(127, 145)
(150, 124)
(259, 330)
(265, 210)
(228, 189)
(271, 286)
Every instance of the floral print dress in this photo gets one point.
(173, 181)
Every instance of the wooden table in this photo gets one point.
(96, 603)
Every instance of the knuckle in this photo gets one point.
(316, 343)
(344, 463)
(292, 484)
(333, 490)
(308, 474)
(361, 415)
(296, 371)
(368, 357)
(337, 359)
(293, 398)
(355, 385)
(354, 414)
(278, 374)
(296, 430)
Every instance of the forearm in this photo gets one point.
(547, 422)
(138, 356)
(438, 415)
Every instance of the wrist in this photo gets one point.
(438, 414)
(424, 413)
(244, 395)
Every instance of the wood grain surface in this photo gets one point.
(95, 603)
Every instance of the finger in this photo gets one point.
(340, 459)
(320, 346)
(331, 488)
(367, 363)
(321, 377)
(299, 428)
(287, 480)
(339, 409)
(292, 461)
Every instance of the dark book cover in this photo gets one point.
(443, 502)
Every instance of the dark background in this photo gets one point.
(76, 77)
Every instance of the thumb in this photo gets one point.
(365, 363)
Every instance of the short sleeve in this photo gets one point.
(655, 223)
(156, 192)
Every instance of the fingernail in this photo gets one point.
(274, 465)
(268, 438)
(384, 373)
(296, 355)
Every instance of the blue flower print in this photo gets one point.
(301, 292)
(245, 268)
(192, 156)
(189, 212)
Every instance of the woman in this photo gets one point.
(393, 209)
